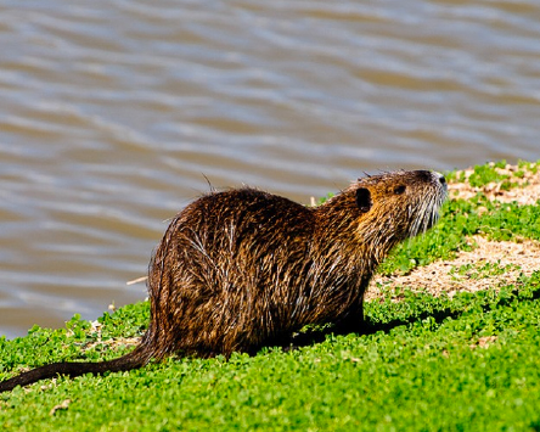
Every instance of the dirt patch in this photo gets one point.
(490, 264)
(520, 184)
(483, 342)
(96, 327)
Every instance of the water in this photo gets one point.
(113, 115)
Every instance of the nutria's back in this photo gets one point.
(241, 269)
(219, 275)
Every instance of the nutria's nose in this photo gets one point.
(431, 175)
(441, 178)
(434, 175)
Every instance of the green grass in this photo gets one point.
(466, 363)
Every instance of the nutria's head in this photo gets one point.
(402, 203)
(384, 209)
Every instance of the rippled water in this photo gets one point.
(112, 115)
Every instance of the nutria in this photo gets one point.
(242, 269)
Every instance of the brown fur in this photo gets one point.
(242, 269)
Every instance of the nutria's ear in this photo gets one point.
(363, 199)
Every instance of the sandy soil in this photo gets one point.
(527, 190)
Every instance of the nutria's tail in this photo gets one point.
(135, 359)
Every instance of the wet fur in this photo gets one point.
(242, 269)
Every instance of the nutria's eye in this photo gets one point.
(363, 199)
(399, 190)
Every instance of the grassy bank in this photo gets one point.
(461, 357)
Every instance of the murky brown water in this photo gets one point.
(113, 113)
